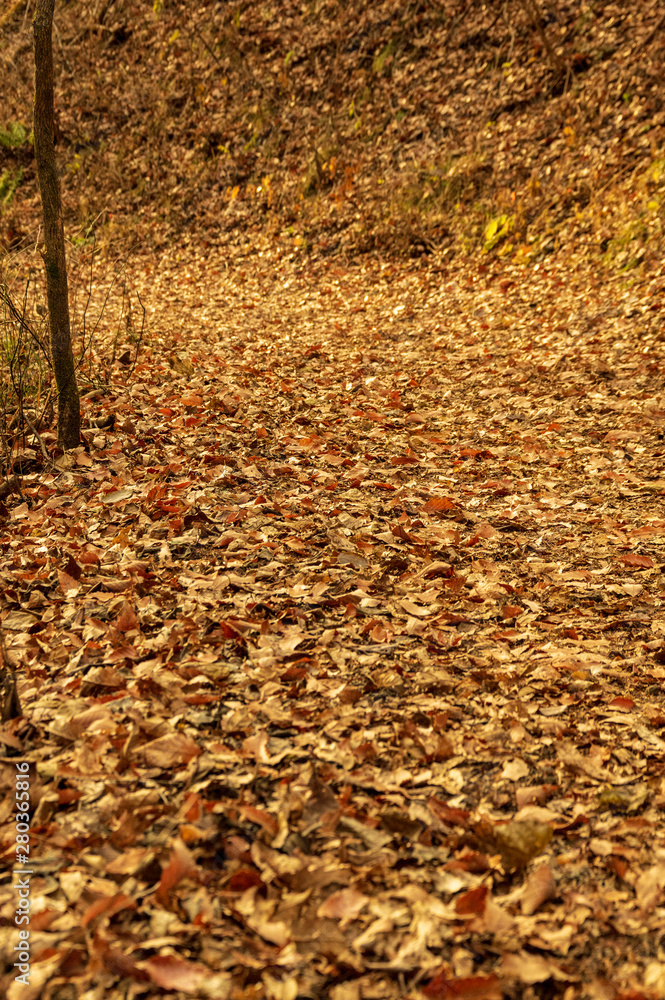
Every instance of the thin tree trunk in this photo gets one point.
(536, 18)
(55, 263)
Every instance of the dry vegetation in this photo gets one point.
(408, 126)
(336, 651)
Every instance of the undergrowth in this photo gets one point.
(107, 326)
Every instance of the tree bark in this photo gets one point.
(55, 262)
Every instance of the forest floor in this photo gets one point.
(339, 644)
(341, 653)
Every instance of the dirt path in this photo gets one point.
(341, 652)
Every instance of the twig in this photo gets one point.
(37, 435)
(140, 338)
(20, 317)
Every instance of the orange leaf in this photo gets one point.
(170, 750)
(89, 557)
(623, 704)
(540, 886)
(261, 818)
(108, 905)
(343, 905)
(126, 620)
(632, 559)
(173, 973)
(448, 814)
(243, 879)
(472, 902)
(486, 531)
(69, 586)
(470, 861)
(470, 988)
(180, 864)
(437, 504)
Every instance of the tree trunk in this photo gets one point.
(55, 263)
(536, 18)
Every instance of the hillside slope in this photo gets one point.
(430, 127)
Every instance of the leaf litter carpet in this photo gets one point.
(340, 654)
